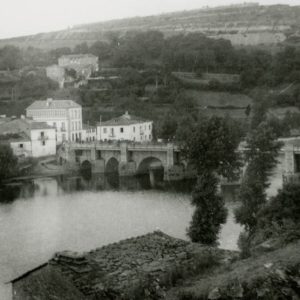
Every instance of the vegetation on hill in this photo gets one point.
(143, 67)
(246, 24)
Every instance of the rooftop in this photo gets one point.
(78, 56)
(52, 104)
(21, 127)
(117, 268)
(123, 120)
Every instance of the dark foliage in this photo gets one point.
(261, 156)
(210, 211)
(212, 146)
(8, 162)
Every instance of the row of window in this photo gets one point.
(122, 129)
(76, 125)
(75, 114)
(53, 113)
(21, 146)
(76, 137)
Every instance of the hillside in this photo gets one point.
(245, 24)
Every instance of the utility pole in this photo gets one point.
(100, 127)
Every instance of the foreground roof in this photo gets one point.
(115, 269)
(124, 120)
(52, 104)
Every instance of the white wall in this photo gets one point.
(43, 145)
(21, 148)
(88, 135)
(139, 132)
(72, 119)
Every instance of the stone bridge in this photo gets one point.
(126, 158)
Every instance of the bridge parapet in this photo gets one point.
(129, 156)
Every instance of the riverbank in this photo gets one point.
(43, 167)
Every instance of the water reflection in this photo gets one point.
(84, 212)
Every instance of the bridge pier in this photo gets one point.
(132, 158)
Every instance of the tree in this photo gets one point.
(261, 156)
(283, 208)
(210, 211)
(81, 48)
(168, 128)
(212, 149)
(8, 162)
(10, 58)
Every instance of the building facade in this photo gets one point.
(125, 128)
(83, 64)
(28, 138)
(64, 115)
(89, 133)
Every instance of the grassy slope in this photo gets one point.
(248, 272)
(218, 99)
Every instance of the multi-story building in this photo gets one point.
(64, 115)
(83, 64)
(125, 127)
(28, 138)
(88, 133)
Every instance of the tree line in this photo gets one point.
(193, 52)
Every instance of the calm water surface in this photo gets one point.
(53, 214)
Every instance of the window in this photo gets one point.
(121, 129)
(150, 127)
(20, 145)
(133, 128)
(104, 130)
(43, 143)
(54, 124)
(42, 134)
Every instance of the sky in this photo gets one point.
(24, 17)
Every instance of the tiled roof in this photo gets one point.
(21, 127)
(78, 55)
(123, 120)
(50, 104)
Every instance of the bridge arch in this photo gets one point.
(86, 165)
(86, 169)
(112, 165)
(148, 163)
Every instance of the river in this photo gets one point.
(42, 216)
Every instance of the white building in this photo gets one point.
(89, 133)
(125, 127)
(83, 64)
(64, 115)
(28, 138)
